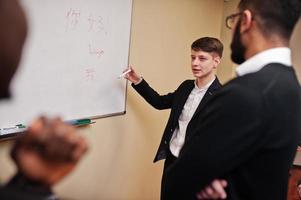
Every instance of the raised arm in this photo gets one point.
(148, 93)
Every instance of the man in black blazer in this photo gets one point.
(50, 149)
(187, 101)
(249, 131)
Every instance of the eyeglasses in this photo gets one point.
(230, 20)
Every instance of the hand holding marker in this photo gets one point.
(125, 73)
(131, 75)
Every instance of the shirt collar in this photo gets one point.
(205, 87)
(280, 55)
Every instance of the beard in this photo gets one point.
(237, 48)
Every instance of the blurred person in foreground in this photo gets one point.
(50, 149)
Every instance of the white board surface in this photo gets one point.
(74, 52)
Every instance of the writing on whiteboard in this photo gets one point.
(98, 52)
(90, 21)
(90, 74)
(73, 17)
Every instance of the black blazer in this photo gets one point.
(248, 134)
(21, 188)
(175, 101)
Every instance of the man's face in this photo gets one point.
(237, 48)
(12, 37)
(203, 63)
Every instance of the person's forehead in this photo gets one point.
(200, 53)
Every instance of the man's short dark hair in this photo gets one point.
(274, 16)
(209, 45)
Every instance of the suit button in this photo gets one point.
(171, 130)
(165, 142)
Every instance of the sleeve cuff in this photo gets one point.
(140, 80)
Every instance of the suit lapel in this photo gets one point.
(211, 90)
(182, 99)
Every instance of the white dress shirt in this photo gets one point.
(280, 55)
(192, 103)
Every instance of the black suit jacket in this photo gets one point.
(248, 134)
(21, 188)
(174, 101)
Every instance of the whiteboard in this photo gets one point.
(74, 52)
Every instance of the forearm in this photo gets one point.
(152, 97)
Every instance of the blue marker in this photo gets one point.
(79, 122)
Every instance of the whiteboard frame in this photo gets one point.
(16, 134)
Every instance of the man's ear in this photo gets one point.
(246, 21)
(217, 61)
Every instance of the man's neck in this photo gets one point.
(263, 44)
(201, 82)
